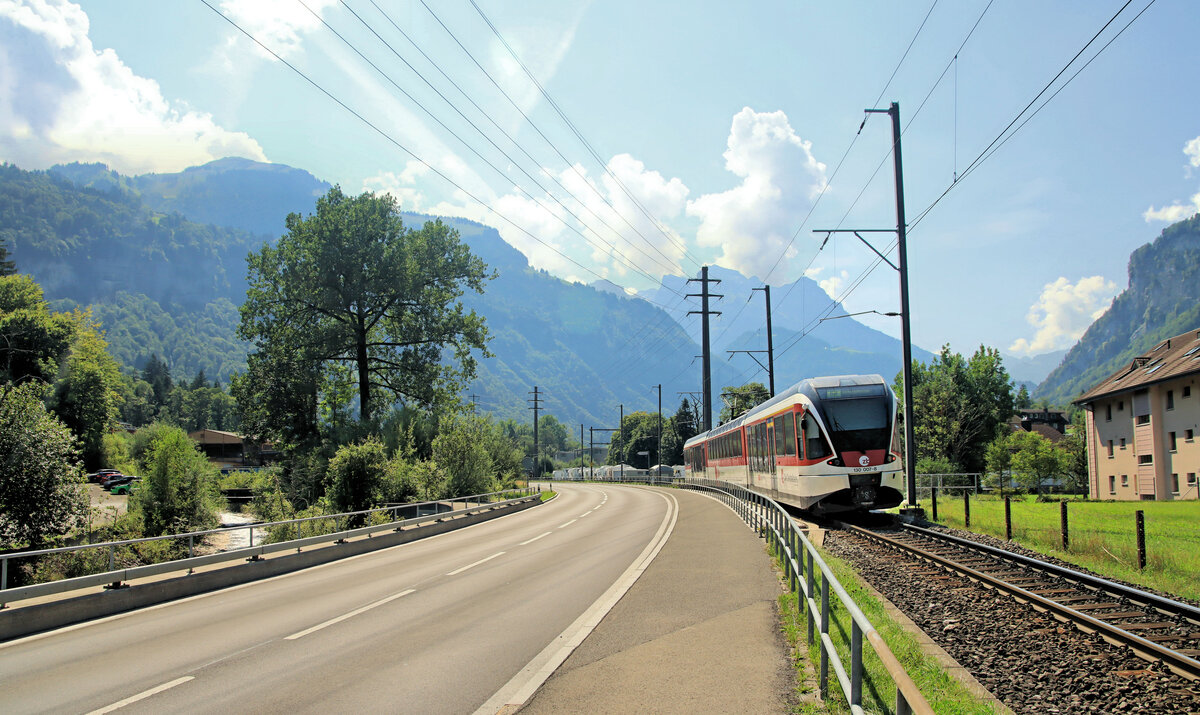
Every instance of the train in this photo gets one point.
(825, 444)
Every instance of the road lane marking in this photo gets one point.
(568, 523)
(351, 614)
(143, 695)
(456, 572)
(534, 539)
(584, 514)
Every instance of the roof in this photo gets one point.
(1172, 358)
(212, 436)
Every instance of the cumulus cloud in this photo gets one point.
(62, 100)
(833, 284)
(1179, 210)
(753, 222)
(1063, 312)
(280, 24)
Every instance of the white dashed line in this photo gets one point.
(584, 514)
(534, 539)
(143, 695)
(568, 523)
(456, 572)
(351, 614)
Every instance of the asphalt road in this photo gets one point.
(438, 625)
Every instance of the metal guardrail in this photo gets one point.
(809, 576)
(251, 552)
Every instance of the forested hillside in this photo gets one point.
(1162, 300)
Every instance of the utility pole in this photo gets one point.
(704, 312)
(770, 351)
(901, 231)
(766, 289)
(621, 458)
(659, 388)
(592, 446)
(581, 450)
(537, 462)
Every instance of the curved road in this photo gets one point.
(438, 625)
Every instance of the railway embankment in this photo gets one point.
(1030, 660)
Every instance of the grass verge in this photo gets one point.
(944, 693)
(1102, 536)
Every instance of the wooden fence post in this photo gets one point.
(1141, 538)
(1066, 537)
(1008, 518)
(967, 508)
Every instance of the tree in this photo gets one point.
(640, 434)
(158, 374)
(356, 475)
(352, 285)
(460, 450)
(740, 400)
(959, 406)
(7, 267)
(42, 493)
(1035, 460)
(33, 339)
(1023, 401)
(179, 487)
(86, 396)
(686, 424)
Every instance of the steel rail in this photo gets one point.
(1149, 650)
(1159, 603)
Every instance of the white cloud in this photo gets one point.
(754, 222)
(279, 24)
(1192, 150)
(1063, 312)
(62, 100)
(1179, 210)
(403, 186)
(833, 284)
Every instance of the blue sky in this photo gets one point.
(724, 122)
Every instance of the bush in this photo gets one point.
(461, 450)
(179, 487)
(356, 475)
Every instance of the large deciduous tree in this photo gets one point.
(959, 406)
(740, 400)
(351, 285)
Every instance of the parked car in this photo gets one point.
(107, 479)
(96, 476)
(128, 487)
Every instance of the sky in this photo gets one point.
(660, 136)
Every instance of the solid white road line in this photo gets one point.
(351, 614)
(568, 523)
(534, 539)
(142, 695)
(456, 572)
(524, 684)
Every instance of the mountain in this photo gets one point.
(803, 346)
(239, 193)
(1162, 300)
(1034, 368)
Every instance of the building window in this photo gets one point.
(1112, 484)
(1145, 459)
(1121, 406)
(1122, 443)
(1187, 435)
(1174, 483)
(1171, 440)
(1191, 479)
(1170, 399)
(1187, 390)
(1142, 419)
(1108, 412)
(1110, 449)
(1124, 480)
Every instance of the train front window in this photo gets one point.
(857, 425)
(814, 442)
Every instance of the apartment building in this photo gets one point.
(1142, 424)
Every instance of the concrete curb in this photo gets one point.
(16, 622)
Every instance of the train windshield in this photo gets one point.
(860, 423)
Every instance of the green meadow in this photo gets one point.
(1103, 536)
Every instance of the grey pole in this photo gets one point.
(659, 386)
(766, 289)
(910, 439)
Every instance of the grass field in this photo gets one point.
(1102, 536)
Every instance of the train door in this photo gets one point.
(771, 456)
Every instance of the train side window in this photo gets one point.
(814, 443)
(789, 434)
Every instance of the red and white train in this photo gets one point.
(826, 444)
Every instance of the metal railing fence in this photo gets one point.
(810, 578)
(115, 576)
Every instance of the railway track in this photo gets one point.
(1157, 629)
